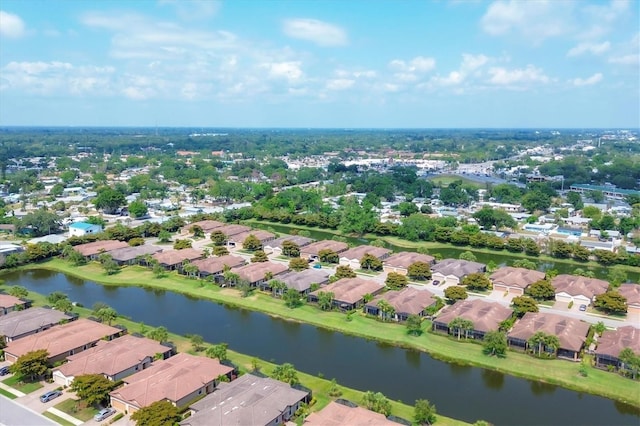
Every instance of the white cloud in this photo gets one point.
(470, 66)
(340, 84)
(419, 64)
(631, 59)
(586, 47)
(315, 31)
(517, 78)
(11, 25)
(535, 20)
(589, 81)
(284, 70)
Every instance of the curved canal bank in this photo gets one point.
(357, 363)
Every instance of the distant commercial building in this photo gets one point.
(608, 191)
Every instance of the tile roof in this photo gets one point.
(571, 332)
(97, 247)
(336, 414)
(231, 230)
(302, 280)
(248, 400)
(216, 265)
(351, 290)
(63, 338)
(458, 267)
(408, 300)
(315, 248)
(112, 357)
(613, 342)
(259, 234)
(175, 257)
(255, 272)
(300, 241)
(576, 285)
(516, 277)
(126, 254)
(9, 301)
(631, 292)
(172, 379)
(486, 316)
(404, 259)
(17, 323)
(356, 253)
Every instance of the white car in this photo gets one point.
(103, 414)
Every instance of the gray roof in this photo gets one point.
(126, 254)
(248, 400)
(458, 267)
(299, 240)
(302, 280)
(17, 323)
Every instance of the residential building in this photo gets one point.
(571, 333)
(452, 271)
(485, 316)
(231, 230)
(259, 273)
(514, 280)
(353, 256)
(275, 246)
(216, 265)
(63, 340)
(132, 255)
(611, 343)
(578, 289)
(312, 251)
(173, 259)
(10, 303)
(631, 292)
(400, 262)
(608, 191)
(302, 281)
(339, 414)
(262, 236)
(94, 249)
(348, 293)
(17, 324)
(207, 226)
(179, 379)
(80, 229)
(115, 359)
(248, 400)
(405, 302)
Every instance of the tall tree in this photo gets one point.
(160, 413)
(218, 351)
(32, 364)
(611, 302)
(325, 300)
(370, 262)
(419, 271)
(344, 271)
(455, 293)
(160, 334)
(376, 401)
(414, 325)
(92, 388)
(523, 304)
(290, 248)
(106, 315)
(476, 281)
(495, 343)
(541, 290)
(396, 281)
(252, 243)
(109, 199)
(460, 325)
(424, 412)
(298, 264)
(259, 256)
(286, 373)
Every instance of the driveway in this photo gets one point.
(32, 400)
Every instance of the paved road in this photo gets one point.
(14, 414)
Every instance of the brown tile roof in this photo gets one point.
(404, 259)
(231, 230)
(571, 332)
(575, 285)
(351, 290)
(516, 277)
(458, 267)
(486, 316)
(300, 241)
(255, 272)
(357, 253)
(302, 280)
(63, 338)
(613, 342)
(112, 357)
(206, 225)
(17, 323)
(97, 247)
(248, 400)
(216, 265)
(9, 301)
(315, 248)
(631, 292)
(172, 379)
(262, 236)
(408, 300)
(336, 414)
(175, 257)
(126, 254)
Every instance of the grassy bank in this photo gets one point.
(557, 372)
(319, 386)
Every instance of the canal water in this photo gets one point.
(467, 393)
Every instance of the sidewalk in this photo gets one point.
(65, 416)
(9, 389)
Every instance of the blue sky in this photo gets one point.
(320, 63)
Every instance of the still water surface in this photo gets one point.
(467, 393)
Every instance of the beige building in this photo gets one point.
(514, 280)
(578, 289)
(336, 414)
(400, 262)
(631, 292)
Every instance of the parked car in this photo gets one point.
(4, 371)
(103, 414)
(46, 397)
(317, 266)
(583, 308)
(436, 282)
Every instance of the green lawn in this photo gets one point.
(563, 373)
(17, 383)
(57, 419)
(77, 409)
(446, 180)
(7, 394)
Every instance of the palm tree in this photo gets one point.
(552, 343)
(460, 324)
(277, 287)
(106, 314)
(386, 310)
(190, 269)
(537, 340)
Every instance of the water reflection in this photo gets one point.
(492, 379)
(540, 388)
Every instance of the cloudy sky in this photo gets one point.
(320, 63)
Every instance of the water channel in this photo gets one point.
(499, 258)
(467, 393)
